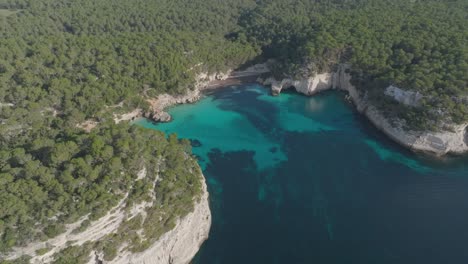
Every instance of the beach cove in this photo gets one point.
(295, 179)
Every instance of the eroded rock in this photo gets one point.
(179, 245)
(452, 140)
(405, 97)
(162, 116)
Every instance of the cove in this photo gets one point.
(295, 179)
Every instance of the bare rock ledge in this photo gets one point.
(157, 112)
(453, 141)
(179, 245)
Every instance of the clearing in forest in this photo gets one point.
(7, 12)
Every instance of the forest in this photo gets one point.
(64, 62)
(415, 45)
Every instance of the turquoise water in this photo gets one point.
(297, 179)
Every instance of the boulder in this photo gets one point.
(162, 116)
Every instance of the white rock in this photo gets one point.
(179, 245)
(409, 98)
(202, 81)
(438, 143)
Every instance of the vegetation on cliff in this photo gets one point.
(64, 62)
(416, 45)
(48, 183)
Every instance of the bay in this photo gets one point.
(295, 179)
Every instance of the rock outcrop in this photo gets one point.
(408, 98)
(158, 105)
(179, 245)
(162, 116)
(452, 140)
(204, 81)
(307, 86)
(439, 143)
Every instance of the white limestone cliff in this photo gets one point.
(203, 81)
(159, 104)
(163, 101)
(453, 140)
(179, 245)
(402, 96)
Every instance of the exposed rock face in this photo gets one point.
(439, 143)
(179, 245)
(162, 116)
(203, 81)
(308, 86)
(6, 105)
(466, 135)
(163, 101)
(409, 98)
(128, 116)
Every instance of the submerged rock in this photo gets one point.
(195, 143)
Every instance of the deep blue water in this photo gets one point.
(297, 179)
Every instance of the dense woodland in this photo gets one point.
(64, 62)
(416, 45)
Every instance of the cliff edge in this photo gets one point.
(179, 245)
(453, 140)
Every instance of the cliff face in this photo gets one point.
(439, 143)
(179, 245)
(158, 104)
(163, 101)
(409, 98)
(203, 81)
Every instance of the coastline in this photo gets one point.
(337, 80)
(429, 142)
(434, 143)
(179, 245)
(203, 82)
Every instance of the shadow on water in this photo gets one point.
(330, 189)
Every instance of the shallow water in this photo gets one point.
(297, 179)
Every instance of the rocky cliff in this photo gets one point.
(179, 245)
(158, 105)
(452, 140)
(163, 101)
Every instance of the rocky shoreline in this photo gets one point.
(449, 141)
(203, 81)
(182, 243)
(158, 105)
(157, 112)
(453, 141)
(179, 245)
